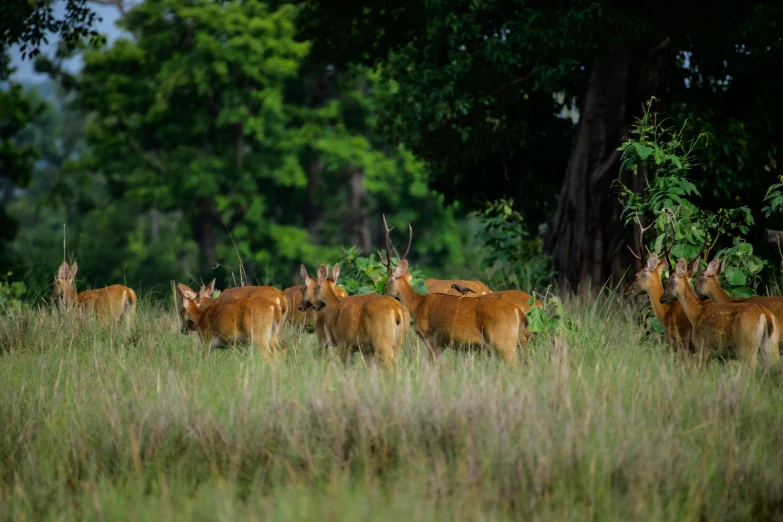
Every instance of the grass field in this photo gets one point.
(600, 423)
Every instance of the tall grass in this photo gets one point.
(601, 422)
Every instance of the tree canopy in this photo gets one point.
(481, 87)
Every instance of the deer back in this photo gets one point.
(240, 319)
(464, 320)
(515, 297)
(111, 302)
(443, 286)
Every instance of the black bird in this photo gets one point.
(462, 289)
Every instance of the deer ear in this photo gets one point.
(713, 267)
(652, 262)
(201, 294)
(62, 272)
(72, 272)
(721, 267)
(694, 268)
(335, 273)
(303, 273)
(210, 288)
(402, 267)
(185, 291)
(682, 268)
(322, 273)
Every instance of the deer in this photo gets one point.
(676, 326)
(478, 289)
(442, 319)
(748, 329)
(110, 303)
(515, 297)
(446, 286)
(369, 324)
(301, 314)
(254, 320)
(204, 300)
(708, 287)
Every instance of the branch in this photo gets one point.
(660, 46)
(518, 80)
(773, 236)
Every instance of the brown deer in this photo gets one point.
(707, 286)
(109, 304)
(676, 326)
(254, 320)
(515, 297)
(301, 315)
(204, 301)
(369, 324)
(747, 329)
(445, 286)
(441, 319)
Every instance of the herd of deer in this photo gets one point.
(703, 318)
(453, 312)
(446, 315)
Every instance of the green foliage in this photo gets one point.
(512, 259)
(11, 294)
(365, 275)
(547, 319)
(665, 155)
(774, 198)
(461, 70)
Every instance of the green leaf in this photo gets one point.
(735, 276)
(740, 291)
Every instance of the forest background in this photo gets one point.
(181, 140)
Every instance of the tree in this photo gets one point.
(212, 115)
(481, 86)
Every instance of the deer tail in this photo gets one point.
(524, 334)
(770, 338)
(130, 302)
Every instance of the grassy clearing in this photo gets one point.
(601, 423)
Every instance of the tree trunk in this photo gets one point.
(586, 238)
(358, 223)
(205, 233)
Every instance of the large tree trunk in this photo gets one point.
(358, 224)
(586, 238)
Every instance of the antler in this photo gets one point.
(389, 264)
(642, 230)
(704, 250)
(667, 251)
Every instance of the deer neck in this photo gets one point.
(330, 296)
(690, 301)
(410, 297)
(716, 292)
(70, 297)
(654, 292)
(196, 312)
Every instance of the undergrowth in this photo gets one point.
(601, 422)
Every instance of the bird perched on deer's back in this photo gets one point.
(462, 289)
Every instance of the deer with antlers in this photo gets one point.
(441, 319)
(676, 326)
(748, 329)
(369, 324)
